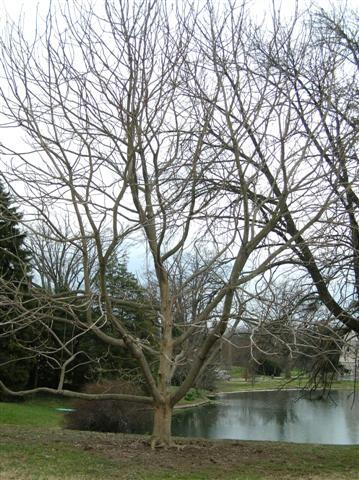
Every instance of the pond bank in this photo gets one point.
(252, 390)
(211, 397)
(199, 403)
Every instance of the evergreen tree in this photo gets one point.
(94, 359)
(14, 280)
(14, 257)
(131, 304)
(128, 295)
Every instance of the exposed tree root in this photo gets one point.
(157, 443)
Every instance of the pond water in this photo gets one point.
(286, 416)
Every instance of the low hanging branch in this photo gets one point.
(71, 394)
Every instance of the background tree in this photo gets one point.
(14, 285)
(86, 358)
(288, 328)
(317, 70)
(55, 262)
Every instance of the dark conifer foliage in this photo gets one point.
(14, 257)
(15, 362)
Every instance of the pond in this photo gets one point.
(286, 416)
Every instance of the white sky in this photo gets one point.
(14, 7)
(33, 10)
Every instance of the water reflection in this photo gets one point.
(281, 416)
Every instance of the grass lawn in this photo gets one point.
(238, 383)
(46, 460)
(53, 454)
(34, 447)
(35, 412)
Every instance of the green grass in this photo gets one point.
(194, 395)
(50, 453)
(40, 454)
(37, 412)
(29, 453)
(205, 475)
(44, 462)
(238, 383)
(260, 383)
(237, 372)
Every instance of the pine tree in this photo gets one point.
(13, 254)
(135, 306)
(14, 281)
(131, 303)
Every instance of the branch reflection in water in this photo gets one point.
(287, 416)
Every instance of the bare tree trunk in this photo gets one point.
(161, 434)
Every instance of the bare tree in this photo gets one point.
(317, 72)
(56, 263)
(289, 327)
(145, 123)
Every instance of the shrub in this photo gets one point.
(192, 395)
(111, 415)
(268, 367)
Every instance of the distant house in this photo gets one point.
(349, 357)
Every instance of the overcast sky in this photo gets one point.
(29, 7)
(37, 9)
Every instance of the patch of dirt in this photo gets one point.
(187, 454)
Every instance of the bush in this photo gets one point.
(192, 395)
(268, 367)
(111, 415)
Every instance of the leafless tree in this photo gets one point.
(317, 70)
(161, 125)
(56, 263)
(289, 327)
